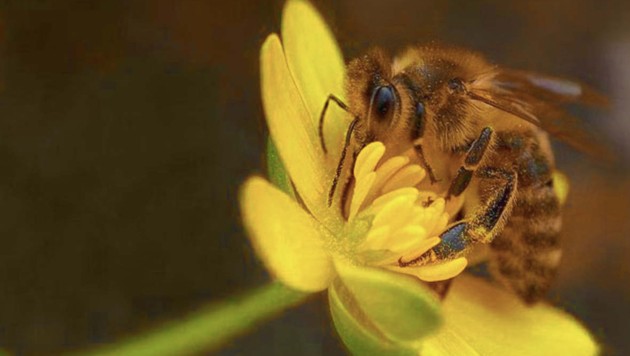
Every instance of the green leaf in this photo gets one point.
(396, 305)
(360, 339)
(276, 171)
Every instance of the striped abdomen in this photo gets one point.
(526, 254)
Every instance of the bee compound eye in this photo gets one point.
(417, 129)
(383, 101)
(420, 110)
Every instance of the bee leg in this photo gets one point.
(322, 115)
(491, 217)
(481, 227)
(424, 163)
(348, 184)
(483, 224)
(472, 160)
(342, 158)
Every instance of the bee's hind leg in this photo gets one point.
(473, 159)
(492, 216)
(460, 235)
(484, 223)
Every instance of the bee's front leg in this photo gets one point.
(322, 115)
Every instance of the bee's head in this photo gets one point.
(421, 93)
(373, 97)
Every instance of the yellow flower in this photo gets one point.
(312, 247)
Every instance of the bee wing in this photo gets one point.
(549, 88)
(537, 99)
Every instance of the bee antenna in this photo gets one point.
(342, 158)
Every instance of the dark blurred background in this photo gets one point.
(126, 128)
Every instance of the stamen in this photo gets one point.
(408, 176)
(419, 248)
(379, 202)
(405, 222)
(432, 216)
(407, 218)
(375, 237)
(365, 175)
(442, 222)
(438, 204)
(407, 237)
(361, 190)
(393, 213)
(389, 168)
(423, 245)
(368, 158)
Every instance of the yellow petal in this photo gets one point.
(446, 343)
(491, 321)
(316, 64)
(291, 128)
(286, 238)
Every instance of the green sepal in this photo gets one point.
(360, 339)
(389, 305)
(275, 169)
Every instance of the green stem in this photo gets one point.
(212, 326)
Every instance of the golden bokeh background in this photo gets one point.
(126, 128)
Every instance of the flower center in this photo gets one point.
(405, 221)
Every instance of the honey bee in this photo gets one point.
(481, 132)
